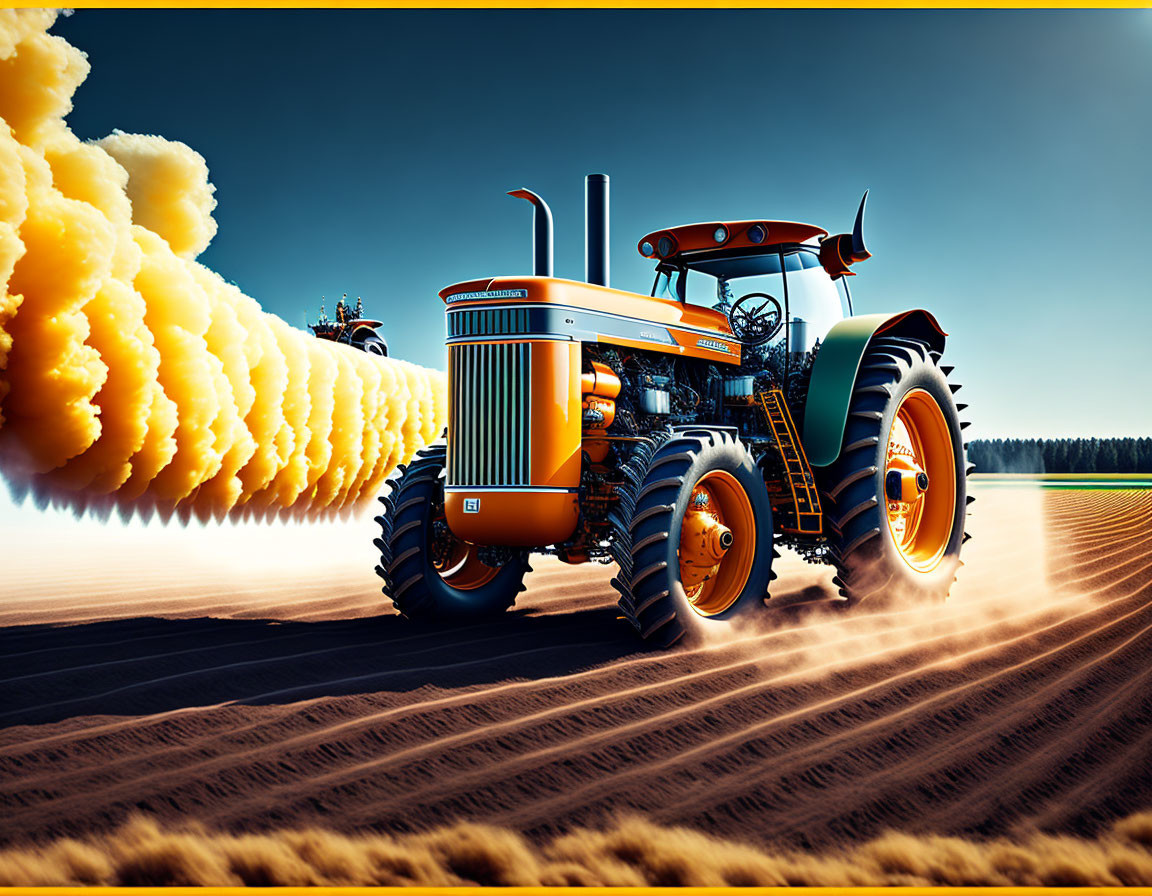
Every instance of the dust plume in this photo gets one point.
(630, 852)
(1003, 585)
(132, 376)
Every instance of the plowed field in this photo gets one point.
(266, 686)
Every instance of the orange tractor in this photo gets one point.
(683, 434)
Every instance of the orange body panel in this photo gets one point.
(512, 517)
(556, 414)
(701, 237)
(544, 510)
(600, 381)
(667, 313)
(600, 386)
(554, 290)
(835, 255)
(596, 449)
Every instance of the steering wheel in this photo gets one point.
(755, 324)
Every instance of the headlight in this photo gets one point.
(646, 249)
(757, 233)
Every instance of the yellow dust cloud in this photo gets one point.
(133, 376)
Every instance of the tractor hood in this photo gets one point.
(586, 312)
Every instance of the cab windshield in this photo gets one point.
(793, 275)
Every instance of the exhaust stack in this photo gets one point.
(541, 232)
(596, 229)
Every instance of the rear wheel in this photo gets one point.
(692, 535)
(898, 489)
(373, 345)
(430, 574)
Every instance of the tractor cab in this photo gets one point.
(773, 279)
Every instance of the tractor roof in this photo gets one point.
(693, 240)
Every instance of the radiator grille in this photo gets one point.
(490, 391)
(488, 322)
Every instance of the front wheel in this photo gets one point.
(899, 486)
(692, 535)
(430, 574)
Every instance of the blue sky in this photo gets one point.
(367, 151)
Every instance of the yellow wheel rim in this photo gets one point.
(920, 481)
(717, 543)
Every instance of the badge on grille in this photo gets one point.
(471, 505)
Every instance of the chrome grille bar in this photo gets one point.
(493, 322)
(490, 391)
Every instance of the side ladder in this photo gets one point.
(802, 516)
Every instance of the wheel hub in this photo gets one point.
(458, 563)
(920, 481)
(717, 543)
(704, 540)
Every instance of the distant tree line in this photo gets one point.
(1061, 455)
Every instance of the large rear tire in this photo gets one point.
(692, 535)
(898, 491)
(429, 573)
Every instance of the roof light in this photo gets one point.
(646, 249)
(720, 234)
(757, 233)
(665, 246)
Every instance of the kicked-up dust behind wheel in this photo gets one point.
(899, 486)
(692, 535)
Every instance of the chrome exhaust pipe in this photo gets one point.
(541, 232)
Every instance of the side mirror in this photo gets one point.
(841, 251)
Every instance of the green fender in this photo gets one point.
(834, 374)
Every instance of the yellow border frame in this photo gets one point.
(592, 891)
(578, 891)
(605, 4)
